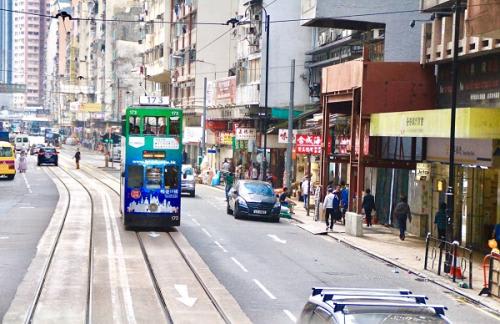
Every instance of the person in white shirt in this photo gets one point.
(305, 191)
(329, 209)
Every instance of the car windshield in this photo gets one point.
(48, 150)
(255, 188)
(5, 152)
(187, 171)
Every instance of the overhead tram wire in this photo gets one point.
(223, 23)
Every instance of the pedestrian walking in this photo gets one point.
(22, 163)
(402, 213)
(368, 206)
(329, 213)
(337, 213)
(254, 173)
(344, 199)
(229, 184)
(305, 190)
(77, 158)
(441, 220)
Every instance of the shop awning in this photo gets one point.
(480, 123)
(282, 113)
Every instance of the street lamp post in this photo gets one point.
(454, 87)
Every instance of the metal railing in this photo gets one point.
(448, 258)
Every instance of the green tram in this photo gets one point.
(151, 167)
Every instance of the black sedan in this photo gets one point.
(251, 198)
(47, 155)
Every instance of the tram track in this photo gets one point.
(33, 306)
(213, 300)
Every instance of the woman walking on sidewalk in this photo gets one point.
(402, 212)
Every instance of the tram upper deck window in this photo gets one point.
(175, 129)
(135, 176)
(154, 126)
(134, 125)
(171, 177)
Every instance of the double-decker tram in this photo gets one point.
(151, 167)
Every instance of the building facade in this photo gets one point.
(30, 46)
(6, 33)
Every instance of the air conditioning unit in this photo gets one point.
(378, 33)
(322, 39)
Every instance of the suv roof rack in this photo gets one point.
(419, 299)
(339, 306)
(332, 290)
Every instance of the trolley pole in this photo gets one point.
(264, 159)
(288, 179)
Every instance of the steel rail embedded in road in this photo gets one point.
(196, 274)
(33, 306)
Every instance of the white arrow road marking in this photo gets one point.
(290, 315)
(239, 264)
(4, 237)
(221, 247)
(195, 222)
(153, 234)
(185, 299)
(264, 289)
(276, 238)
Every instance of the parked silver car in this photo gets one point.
(188, 181)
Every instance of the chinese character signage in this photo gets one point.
(283, 136)
(245, 134)
(225, 138)
(308, 144)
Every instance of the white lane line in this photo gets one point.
(195, 222)
(4, 237)
(221, 247)
(27, 183)
(206, 232)
(120, 259)
(239, 264)
(26, 207)
(290, 315)
(264, 289)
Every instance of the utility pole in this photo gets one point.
(264, 159)
(290, 128)
(204, 120)
(454, 87)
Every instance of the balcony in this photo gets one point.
(248, 94)
(437, 5)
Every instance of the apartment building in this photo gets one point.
(6, 45)
(199, 49)
(29, 43)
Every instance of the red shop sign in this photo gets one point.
(308, 144)
(216, 125)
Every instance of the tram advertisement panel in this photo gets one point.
(153, 175)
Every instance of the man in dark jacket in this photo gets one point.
(77, 158)
(440, 220)
(368, 206)
(402, 213)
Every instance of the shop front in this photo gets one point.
(477, 172)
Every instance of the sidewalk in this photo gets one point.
(384, 244)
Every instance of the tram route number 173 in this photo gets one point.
(154, 100)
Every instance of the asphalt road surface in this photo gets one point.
(26, 204)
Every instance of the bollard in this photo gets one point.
(440, 258)
(427, 239)
(455, 245)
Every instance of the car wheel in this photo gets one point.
(56, 164)
(228, 209)
(275, 219)
(192, 194)
(38, 164)
(11, 176)
(236, 214)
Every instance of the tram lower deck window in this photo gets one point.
(135, 176)
(171, 177)
(153, 177)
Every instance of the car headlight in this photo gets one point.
(277, 205)
(242, 203)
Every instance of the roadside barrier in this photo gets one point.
(492, 263)
(448, 259)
